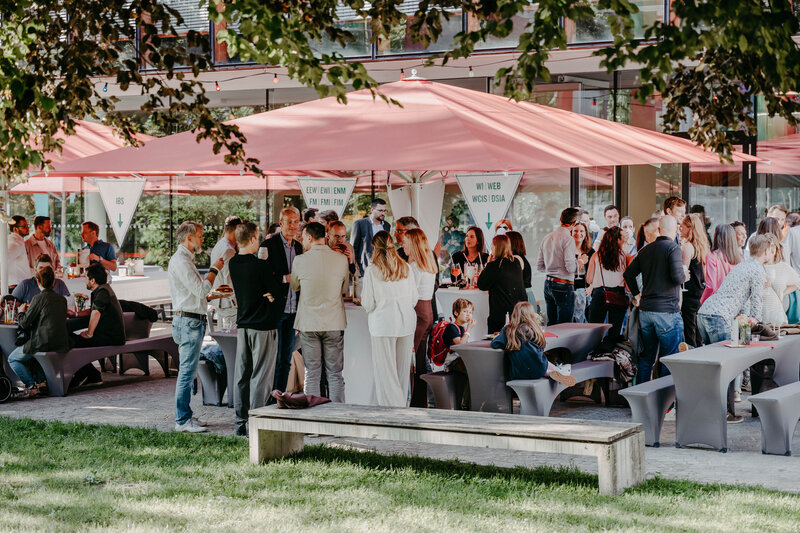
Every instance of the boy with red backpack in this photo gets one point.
(445, 334)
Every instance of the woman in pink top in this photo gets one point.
(726, 253)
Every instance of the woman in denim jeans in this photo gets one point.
(583, 246)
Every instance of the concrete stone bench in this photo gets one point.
(779, 410)
(618, 447)
(536, 396)
(649, 402)
(447, 387)
(60, 367)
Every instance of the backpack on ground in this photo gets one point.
(437, 354)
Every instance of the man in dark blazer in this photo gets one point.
(279, 251)
(365, 229)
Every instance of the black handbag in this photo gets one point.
(612, 298)
(23, 336)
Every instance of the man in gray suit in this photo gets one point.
(321, 275)
(363, 231)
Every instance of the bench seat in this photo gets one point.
(59, 367)
(618, 447)
(536, 396)
(649, 403)
(779, 411)
(447, 387)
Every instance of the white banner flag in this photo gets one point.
(488, 196)
(327, 193)
(120, 198)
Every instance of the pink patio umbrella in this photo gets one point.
(438, 128)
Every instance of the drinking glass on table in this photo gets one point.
(455, 270)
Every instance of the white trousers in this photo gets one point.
(391, 363)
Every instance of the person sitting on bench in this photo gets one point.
(523, 341)
(106, 325)
(45, 318)
(29, 287)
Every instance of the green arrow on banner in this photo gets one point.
(488, 221)
(120, 220)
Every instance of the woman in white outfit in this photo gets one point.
(389, 295)
(782, 281)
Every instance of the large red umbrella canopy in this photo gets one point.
(89, 139)
(438, 127)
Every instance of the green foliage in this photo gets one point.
(52, 53)
(78, 477)
(211, 211)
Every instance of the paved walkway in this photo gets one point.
(149, 402)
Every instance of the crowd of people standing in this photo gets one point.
(686, 288)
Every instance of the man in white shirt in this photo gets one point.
(18, 265)
(225, 249)
(189, 294)
(39, 243)
(321, 275)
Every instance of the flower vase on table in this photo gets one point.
(80, 301)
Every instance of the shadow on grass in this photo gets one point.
(544, 475)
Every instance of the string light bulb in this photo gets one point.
(217, 87)
(471, 72)
(402, 74)
(275, 78)
(594, 102)
(105, 88)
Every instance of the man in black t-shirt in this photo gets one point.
(260, 307)
(106, 325)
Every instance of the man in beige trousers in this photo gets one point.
(321, 275)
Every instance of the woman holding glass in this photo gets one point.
(472, 254)
(583, 245)
(694, 249)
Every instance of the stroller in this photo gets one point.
(5, 386)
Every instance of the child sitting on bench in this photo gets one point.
(523, 341)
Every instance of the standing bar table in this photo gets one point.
(701, 379)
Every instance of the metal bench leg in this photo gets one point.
(266, 444)
(621, 464)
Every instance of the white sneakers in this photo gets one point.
(192, 426)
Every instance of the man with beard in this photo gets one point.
(365, 229)
(39, 243)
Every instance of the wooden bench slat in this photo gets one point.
(458, 422)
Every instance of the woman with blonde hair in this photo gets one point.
(523, 341)
(782, 281)
(695, 250)
(388, 295)
(502, 277)
(425, 269)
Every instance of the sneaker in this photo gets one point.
(565, 369)
(734, 419)
(26, 392)
(683, 347)
(199, 422)
(737, 396)
(568, 381)
(241, 431)
(190, 427)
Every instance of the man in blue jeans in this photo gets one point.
(660, 322)
(559, 260)
(189, 293)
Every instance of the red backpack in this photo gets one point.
(438, 350)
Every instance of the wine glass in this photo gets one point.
(455, 270)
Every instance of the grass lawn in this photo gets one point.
(75, 477)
